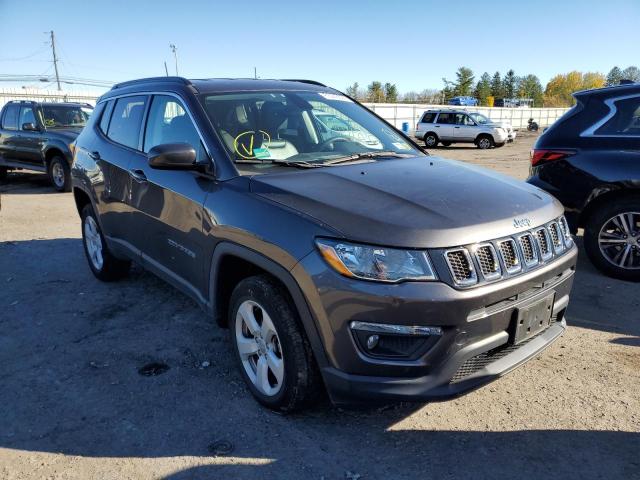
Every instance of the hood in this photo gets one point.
(422, 202)
(66, 133)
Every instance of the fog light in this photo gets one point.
(372, 341)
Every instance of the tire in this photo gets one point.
(431, 140)
(291, 379)
(485, 142)
(446, 144)
(102, 263)
(60, 174)
(498, 145)
(605, 242)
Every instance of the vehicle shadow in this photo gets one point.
(70, 353)
(20, 182)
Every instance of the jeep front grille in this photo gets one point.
(461, 266)
(556, 239)
(488, 261)
(510, 256)
(544, 242)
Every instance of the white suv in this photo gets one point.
(458, 126)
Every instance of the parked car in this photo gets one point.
(458, 126)
(382, 274)
(38, 136)
(590, 160)
(464, 101)
(481, 119)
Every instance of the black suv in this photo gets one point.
(590, 160)
(348, 257)
(38, 136)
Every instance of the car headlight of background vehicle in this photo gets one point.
(370, 262)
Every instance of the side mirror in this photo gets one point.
(172, 156)
(30, 127)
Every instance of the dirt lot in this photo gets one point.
(73, 405)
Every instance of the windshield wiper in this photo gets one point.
(365, 155)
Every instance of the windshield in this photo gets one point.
(479, 118)
(65, 115)
(266, 127)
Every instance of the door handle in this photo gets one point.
(95, 155)
(437, 126)
(138, 175)
(456, 127)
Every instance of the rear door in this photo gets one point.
(444, 126)
(167, 205)
(9, 133)
(465, 129)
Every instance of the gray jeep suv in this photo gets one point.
(369, 268)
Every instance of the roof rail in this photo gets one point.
(311, 82)
(128, 83)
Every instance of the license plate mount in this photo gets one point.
(532, 319)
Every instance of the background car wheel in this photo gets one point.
(612, 239)
(3, 173)
(274, 354)
(446, 144)
(484, 142)
(431, 140)
(102, 263)
(498, 145)
(60, 174)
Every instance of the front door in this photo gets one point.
(168, 204)
(30, 142)
(465, 129)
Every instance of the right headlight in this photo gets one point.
(370, 262)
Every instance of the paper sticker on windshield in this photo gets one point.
(334, 96)
(401, 146)
(261, 153)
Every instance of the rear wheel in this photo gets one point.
(612, 239)
(431, 140)
(275, 358)
(446, 144)
(103, 264)
(484, 142)
(60, 174)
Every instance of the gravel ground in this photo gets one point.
(73, 405)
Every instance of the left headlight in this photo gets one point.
(370, 262)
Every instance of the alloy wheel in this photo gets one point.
(57, 173)
(484, 143)
(259, 347)
(619, 240)
(93, 243)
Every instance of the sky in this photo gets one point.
(411, 44)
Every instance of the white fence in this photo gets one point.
(37, 95)
(399, 113)
(395, 113)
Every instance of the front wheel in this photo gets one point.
(275, 358)
(103, 264)
(60, 174)
(612, 239)
(484, 142)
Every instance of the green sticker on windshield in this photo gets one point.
(261, 153)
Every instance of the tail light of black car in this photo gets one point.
(539, 156)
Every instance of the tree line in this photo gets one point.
(557, 92)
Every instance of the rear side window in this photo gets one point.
(428, 117)
(126, 120)
(10, 119)
(625, 121)
(106, 116)
(445, 118)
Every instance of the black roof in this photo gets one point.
(624, 88)
(68, 104)
(210, 85)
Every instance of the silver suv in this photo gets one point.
(458, 126)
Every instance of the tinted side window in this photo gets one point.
(445, 118)
(26, 116)
(428, 117)
(626, 120)
(126, 120)
(168, 122)
(106, 116)
(10, 119)
(463, 119)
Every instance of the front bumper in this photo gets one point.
(473, 349)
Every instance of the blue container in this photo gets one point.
(405, 127)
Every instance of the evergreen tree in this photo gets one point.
(390, 93)
(529, 86)
(496, 86)
(631, 73)
(483, 89)
(375, 93)
(509, 84)
(353, 92)
(464, 82)
(614, 76)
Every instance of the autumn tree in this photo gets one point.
(613, 77)
(558, 92)
(375, 93)
(631, 73)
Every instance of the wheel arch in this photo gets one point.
(602, 197)
(484, 134)
(231, 263)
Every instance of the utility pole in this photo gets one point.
(55, 58)
(166, 70)
(175, 55)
